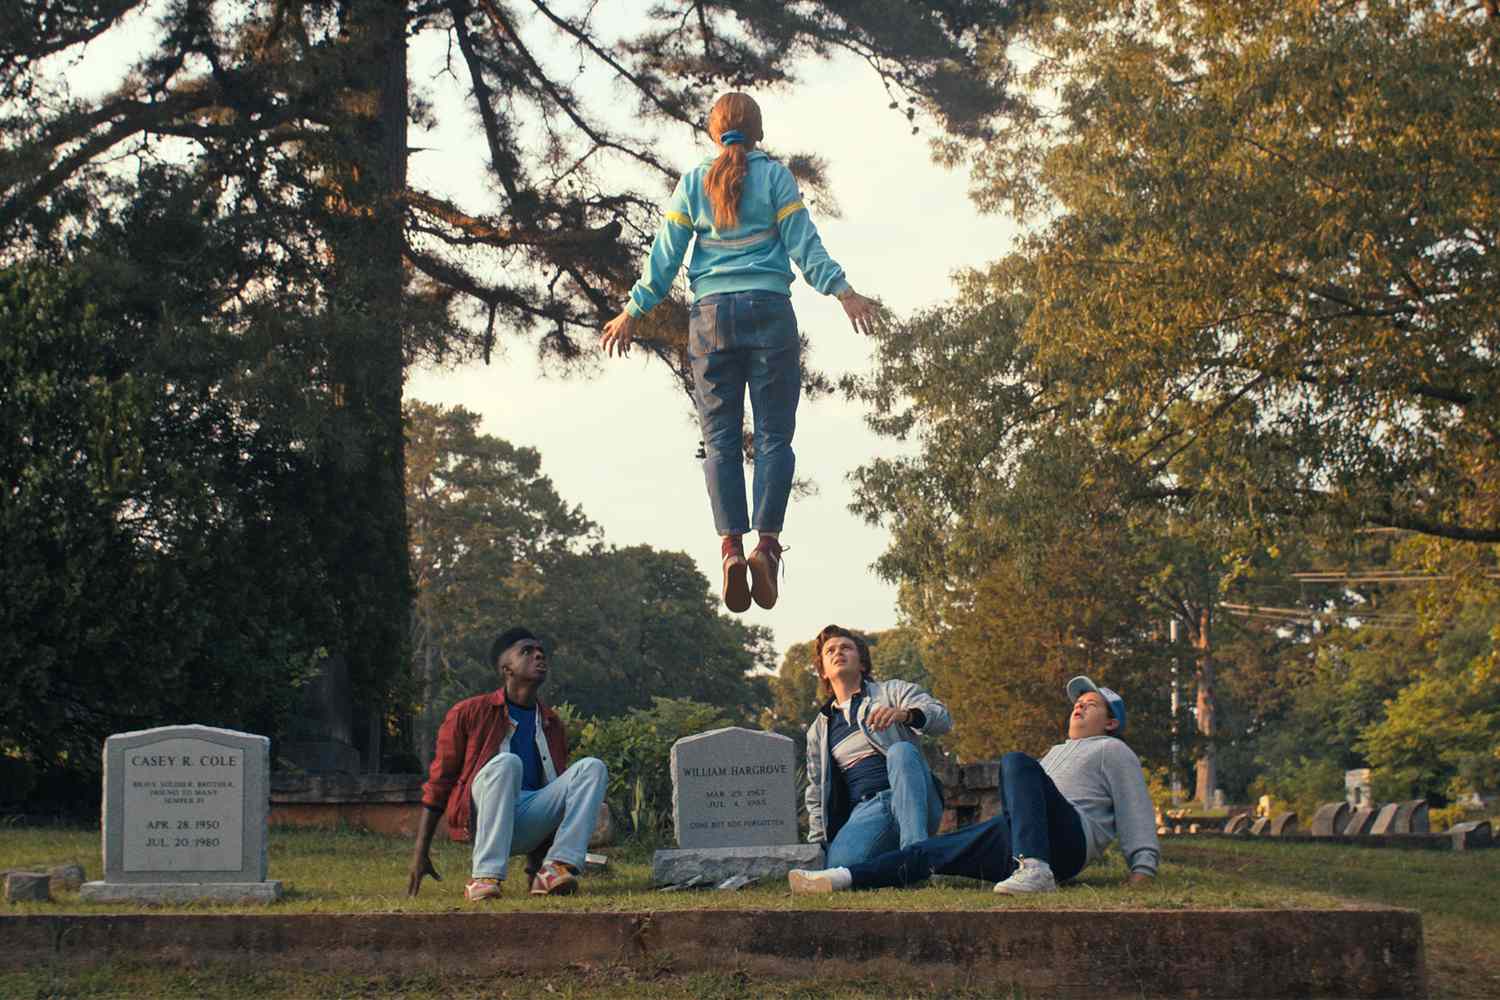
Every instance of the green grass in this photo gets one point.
(351, 872)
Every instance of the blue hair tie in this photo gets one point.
(733, 137)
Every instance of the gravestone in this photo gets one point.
(1411, 817)
(27, 887)
(1258, 828)
(1385, 820)
(1238, 823)
(1357, 788)
(185, 810)
(1467, 836)
(1360, 822)
(734, 810)
(1284, 824)
(1330, 819)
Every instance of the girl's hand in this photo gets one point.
(864, 314)
(619, 333)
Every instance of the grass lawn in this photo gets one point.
(350, 872)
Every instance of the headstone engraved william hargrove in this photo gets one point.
(734, 809)
(185, 811)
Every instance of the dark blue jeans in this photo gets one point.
(1035, 821)
(740, 340)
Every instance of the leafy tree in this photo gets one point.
(480, 515)
(285, 124)
(148, 502)
(1266, 234)
(493, 545)
(637, 747)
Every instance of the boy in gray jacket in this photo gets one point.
(1058, 814)
(868, 788)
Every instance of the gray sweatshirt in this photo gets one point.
(1102, 777)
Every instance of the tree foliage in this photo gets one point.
(281, 127)
(1266, 233)
(494, 546)
(1255, 310)
(147, 500)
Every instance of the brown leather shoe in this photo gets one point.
(765, 565)
(736, 586)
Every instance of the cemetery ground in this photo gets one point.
(338, 872)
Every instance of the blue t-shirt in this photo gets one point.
(865, 774)
(523, 745)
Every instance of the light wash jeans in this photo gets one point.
(1035, 821)
(508, 820)
(738, 340)
(907, 812)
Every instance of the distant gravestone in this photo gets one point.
(1360, 822)
(1411, 817)
(1237, 824)
(1330, 819)
(27, 887)
(1258, 828)
(1385, 820)
(1357, 788)
(1467, 836)
(734, 809)
(1284, 824)
(185, 811)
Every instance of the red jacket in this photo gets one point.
(469, 738)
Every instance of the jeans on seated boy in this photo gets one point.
(511, 820)
(909, 811)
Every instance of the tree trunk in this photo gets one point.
(362, 461)
(1207, 776)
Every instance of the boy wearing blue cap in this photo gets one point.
(1057, 815)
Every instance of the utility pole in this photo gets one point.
(1207, 775)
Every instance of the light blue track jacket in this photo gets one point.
(774, 230)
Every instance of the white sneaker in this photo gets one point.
(1030, 875)
(803, 882)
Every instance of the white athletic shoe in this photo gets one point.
(803, 882)
(1030, 875)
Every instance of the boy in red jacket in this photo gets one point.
(501, 779)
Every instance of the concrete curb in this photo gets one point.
(1354, 952)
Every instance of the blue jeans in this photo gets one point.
(738, 340)
(903, 814)
(509, 820)
(1035, 822)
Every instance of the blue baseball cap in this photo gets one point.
(1080, 686)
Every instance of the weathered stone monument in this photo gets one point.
(734, 809)
(1411, 817)
(1357, 788)
(1260, 826)
(1467, 836)
(1283, 824)
(1385, 820)
(1238, 823)
(1330, 819)
(185, 811)
(1360, 822)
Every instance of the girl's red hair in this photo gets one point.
(725, 180)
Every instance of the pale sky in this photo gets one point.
(621, 443)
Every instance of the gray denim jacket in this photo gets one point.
(820, 766)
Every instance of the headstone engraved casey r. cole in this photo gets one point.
(734, 788)
(734, 809)
(185, 810)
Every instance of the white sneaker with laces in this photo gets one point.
(803, 881)
(1031, 875)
